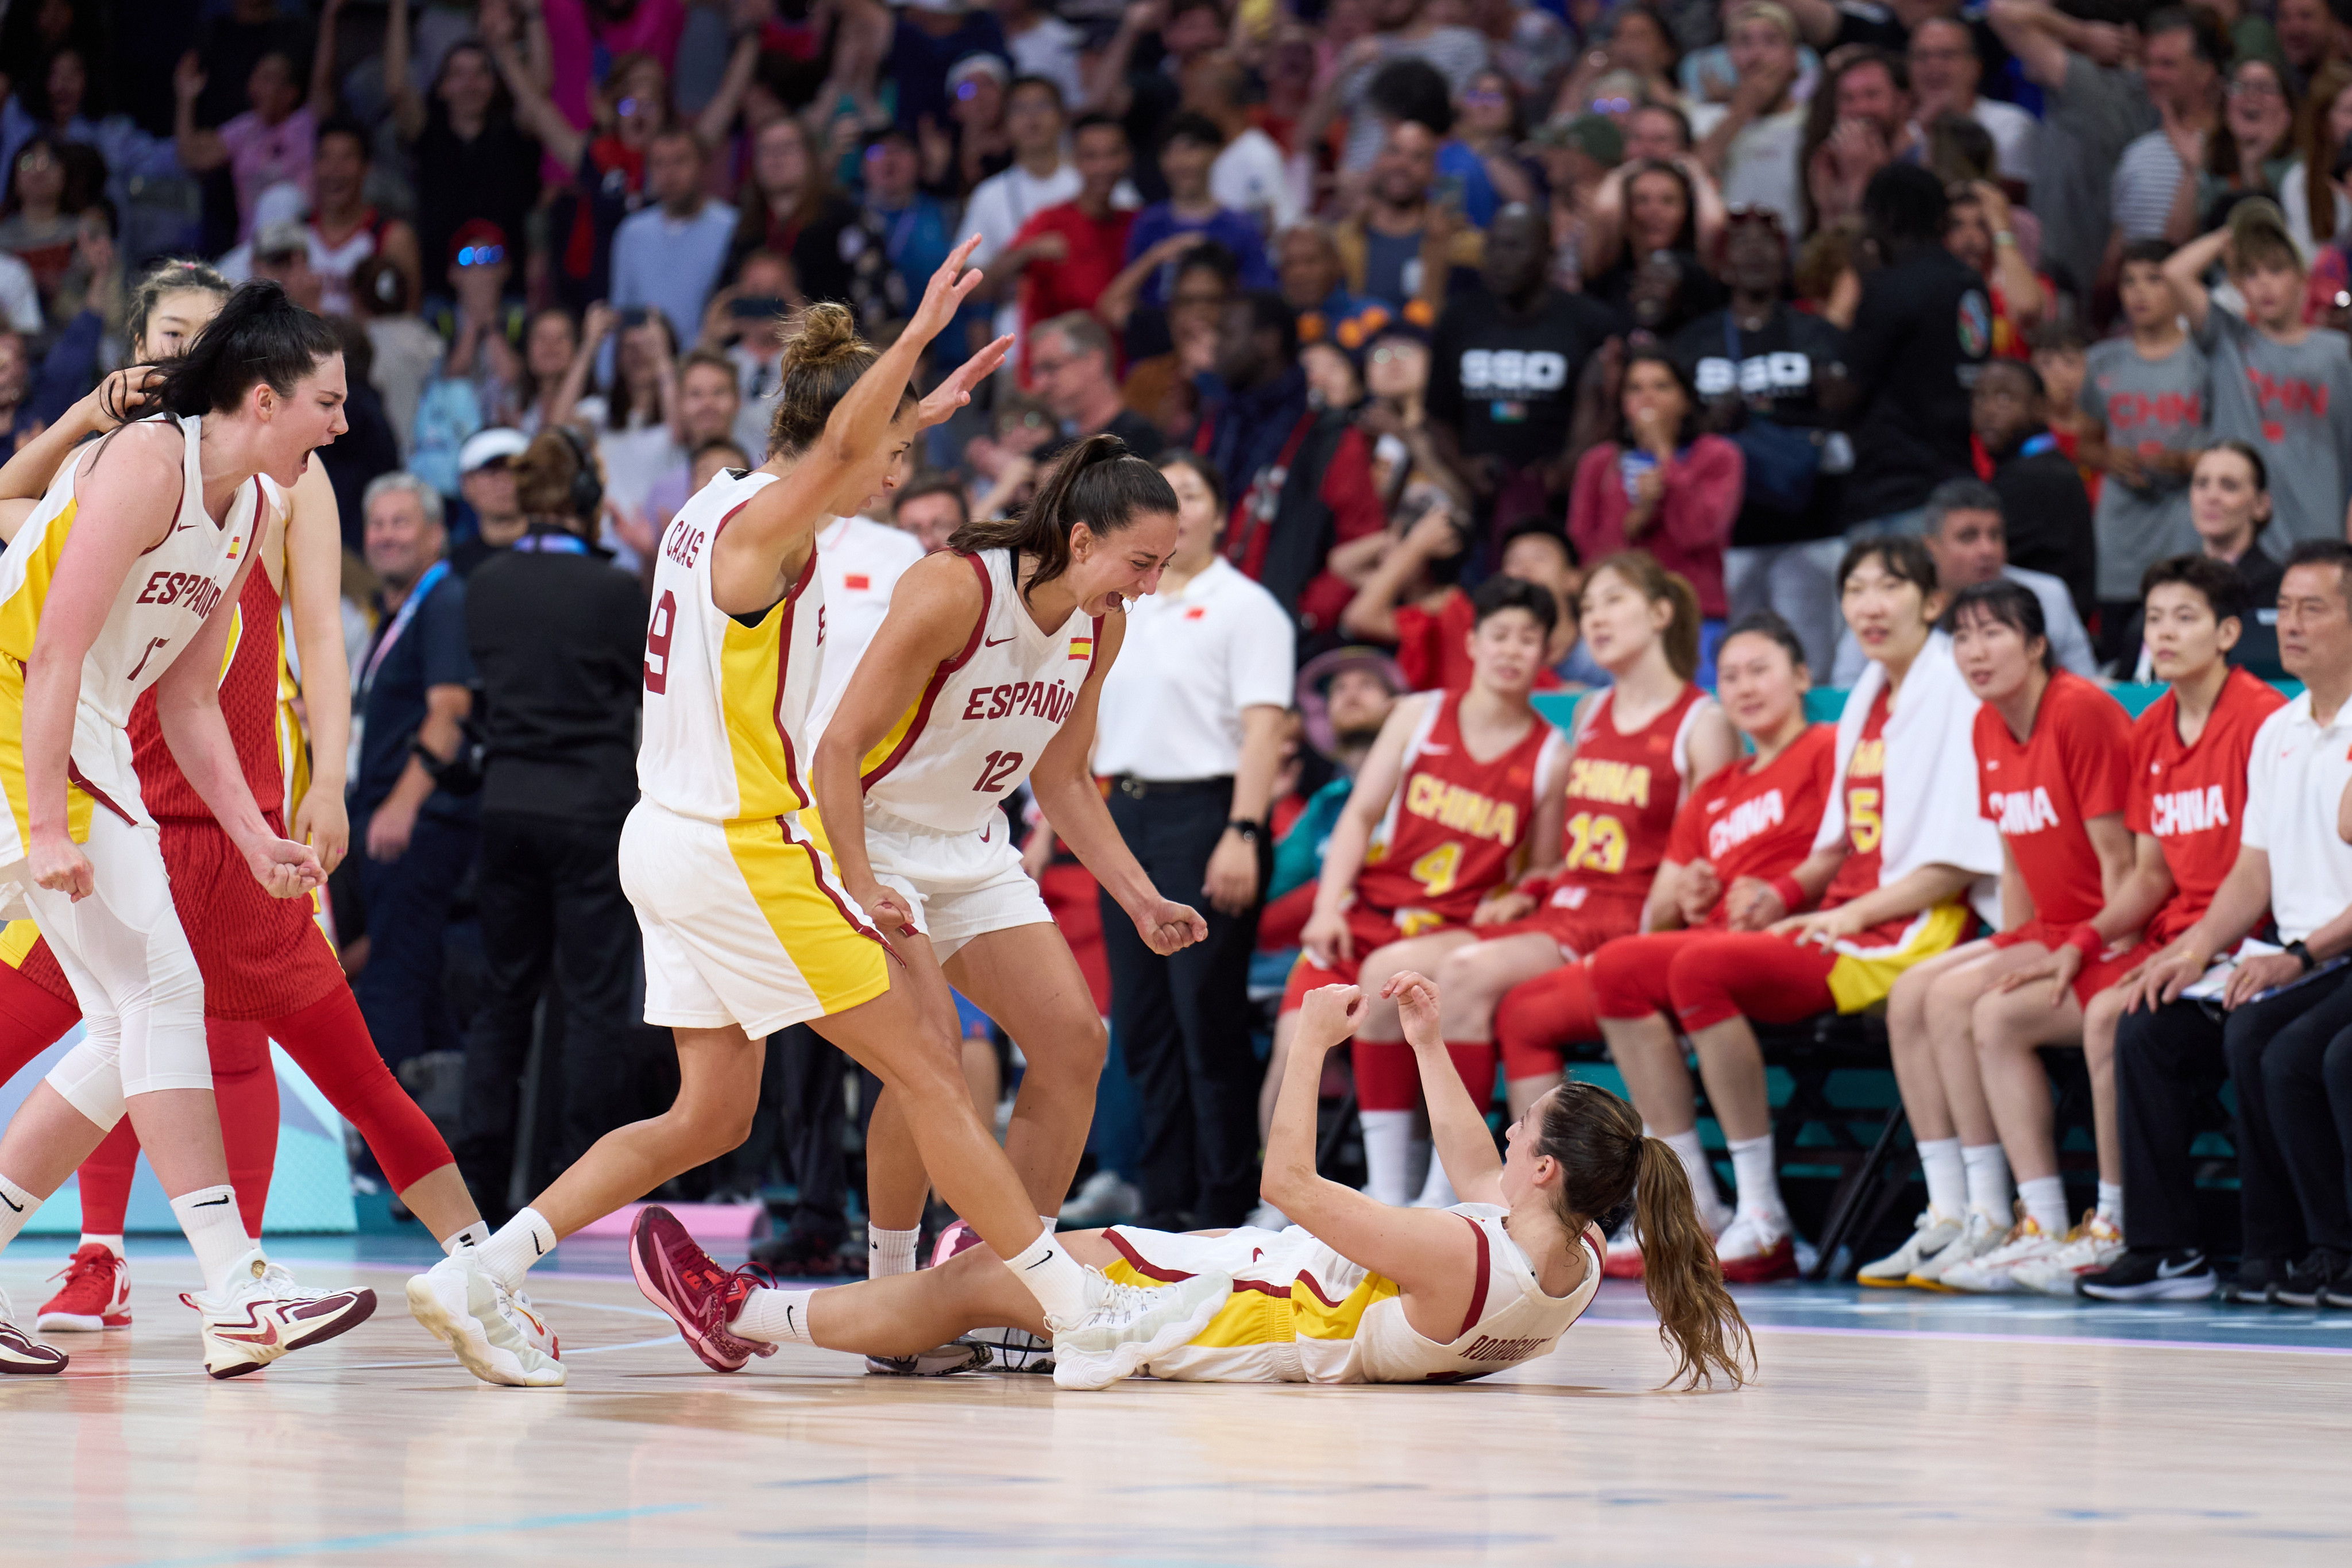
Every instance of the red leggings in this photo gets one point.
(1537, 1017)
(1702, 978)
(1388, 1079)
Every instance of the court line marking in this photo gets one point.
(1951, 1335)
(402, 1537)
(70, 1376)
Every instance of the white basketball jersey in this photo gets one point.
(725, 731)
(986, 715)
(1300, 1312)
(160, 607)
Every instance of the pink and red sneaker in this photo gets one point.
(701, 1297)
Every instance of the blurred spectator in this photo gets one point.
(18, 423)
(478, 263)
(1664, 485)
(1429, 620)
(1332, 380)
(1189, 734)
(556, 638)
(1858, 123)
(2184, 56)
(1042, 45)
(788, 209)
(712, 459)
(1977, 228)
(1402, 29)
(1396, 417)
(925, 43)
(2037, 483)
(1404, 247)
(607, 170)
(2229, 513)
(1066, 257)
(406, 351)
(2250, 152)
(1638, 63)
(1022, 428)
(668, 254)
(272, 141)
(486, 468)
(1504, 362)
(905, 229)
(1039, 177)
(368, 449)
(414, 840)
(2315, 213)
(281, 253)
(1921, 331)
(1070, 367)
(473, 165)
(1962, 527)
(583, 35)
(345, 229)
(1759, 367)
(550, 345)
(1489, 126)
(20, 297)
(1250, 175)
(1162, 389)
(1750, 141)
(1945, 71)
(1144, 97)
(971, 146)
(1301, 478)
(636, 423)
(1313, 282)
(1165, 230)
(708, 400)
(928, 510)
(746, 320)
(62, 105)
(38, 224)
(1652, 276)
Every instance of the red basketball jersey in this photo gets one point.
(1622, 793)
(1747, 821)
(2191, 798)
(1457, 827)
(248, 700)
(2073, 767)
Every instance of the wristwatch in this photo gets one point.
(1250, 831)
(2303, 956)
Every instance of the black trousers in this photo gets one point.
(802, 1119)
(2291, 1161)
(548, 899)
(1184, 1022)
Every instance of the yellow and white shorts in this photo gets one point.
(745, 923)
(958, 885)
(1861, 976)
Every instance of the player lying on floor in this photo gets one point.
(1356, 1291)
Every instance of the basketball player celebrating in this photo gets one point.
(1641, 747)
(1356, 1291)
(2186, 794)
(1740, 835)
(114, 586)
(746, 926)
(986, 671)
(1899, 841)
(1459, 790)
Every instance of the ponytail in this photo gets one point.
(1605, 1158)
(1097, 482)
(261, 337)
(1654, 582)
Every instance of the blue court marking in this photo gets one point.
(404, 1537)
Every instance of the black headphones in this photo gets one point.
(587, 488)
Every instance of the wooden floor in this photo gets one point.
(1882, 1432)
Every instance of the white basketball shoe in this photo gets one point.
(494, 1332)
(262, 1315)
(1127, 1325)
(20, 1352)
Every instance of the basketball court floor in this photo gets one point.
(1884, 1430)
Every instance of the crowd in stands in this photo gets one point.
(1683, 355)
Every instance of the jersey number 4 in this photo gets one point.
(995, 773)
(657, 635)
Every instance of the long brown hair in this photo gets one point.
(1654, 583)
(822, 358)
(2327, 83)
(1604, 1158)
(1097, 482)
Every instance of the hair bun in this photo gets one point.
(824, 332)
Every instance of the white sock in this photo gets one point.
(1758, 1179)
(17, 1207)
(1437, 1192)
(1050, 1221)
(1947, 1180)
(775, 1317)
(890, 1253)
(1387, 1156)
(1054, 1277)
(2111, 1203)
(1699, 1169)
(474, 1235)
(1988, 1191)
(2045, 1200)
(111, 1242)
(520, 1243)
(208, 1216)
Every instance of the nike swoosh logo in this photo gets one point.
(2167, 1272)
(1041, 1263)
(791, 1327)
(995, 642)
(537, 1250)
(986, 831)
(266, 1337)
(210, 1203)
(12, 1203)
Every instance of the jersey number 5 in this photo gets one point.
(657, 635)
(1000, 767)
(1862, 823)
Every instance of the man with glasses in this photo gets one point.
(1070, 368)
(1945, 72)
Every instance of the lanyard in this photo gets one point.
(405, 614)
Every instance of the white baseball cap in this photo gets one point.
(488, 445)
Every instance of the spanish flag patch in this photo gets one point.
(1082, 648)
(235, 543)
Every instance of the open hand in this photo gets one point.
(944, 295)
(956, 390)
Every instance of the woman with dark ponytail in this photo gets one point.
(114, 586)
(987, 672)
(1356, 1290)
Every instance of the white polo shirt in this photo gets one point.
(2296, 776)
(1191, 661)
(859, 562)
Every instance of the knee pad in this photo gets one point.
(164, 1044)
(90, 1080)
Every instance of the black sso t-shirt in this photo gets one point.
(1777, 371)
(1919, 336)
(1507, 381)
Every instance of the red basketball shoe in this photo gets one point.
(683, 1280)
(96, 1294)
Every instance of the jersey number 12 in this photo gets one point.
(997, 771)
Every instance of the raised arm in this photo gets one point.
(314, 589)
(407, 104)
(747, 19)
(2185, 269)
(1371, 614)
(322, 62)
(535, 112)
(2021, 25)
(201, 150)
(1457, 1128)
(27, 474)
